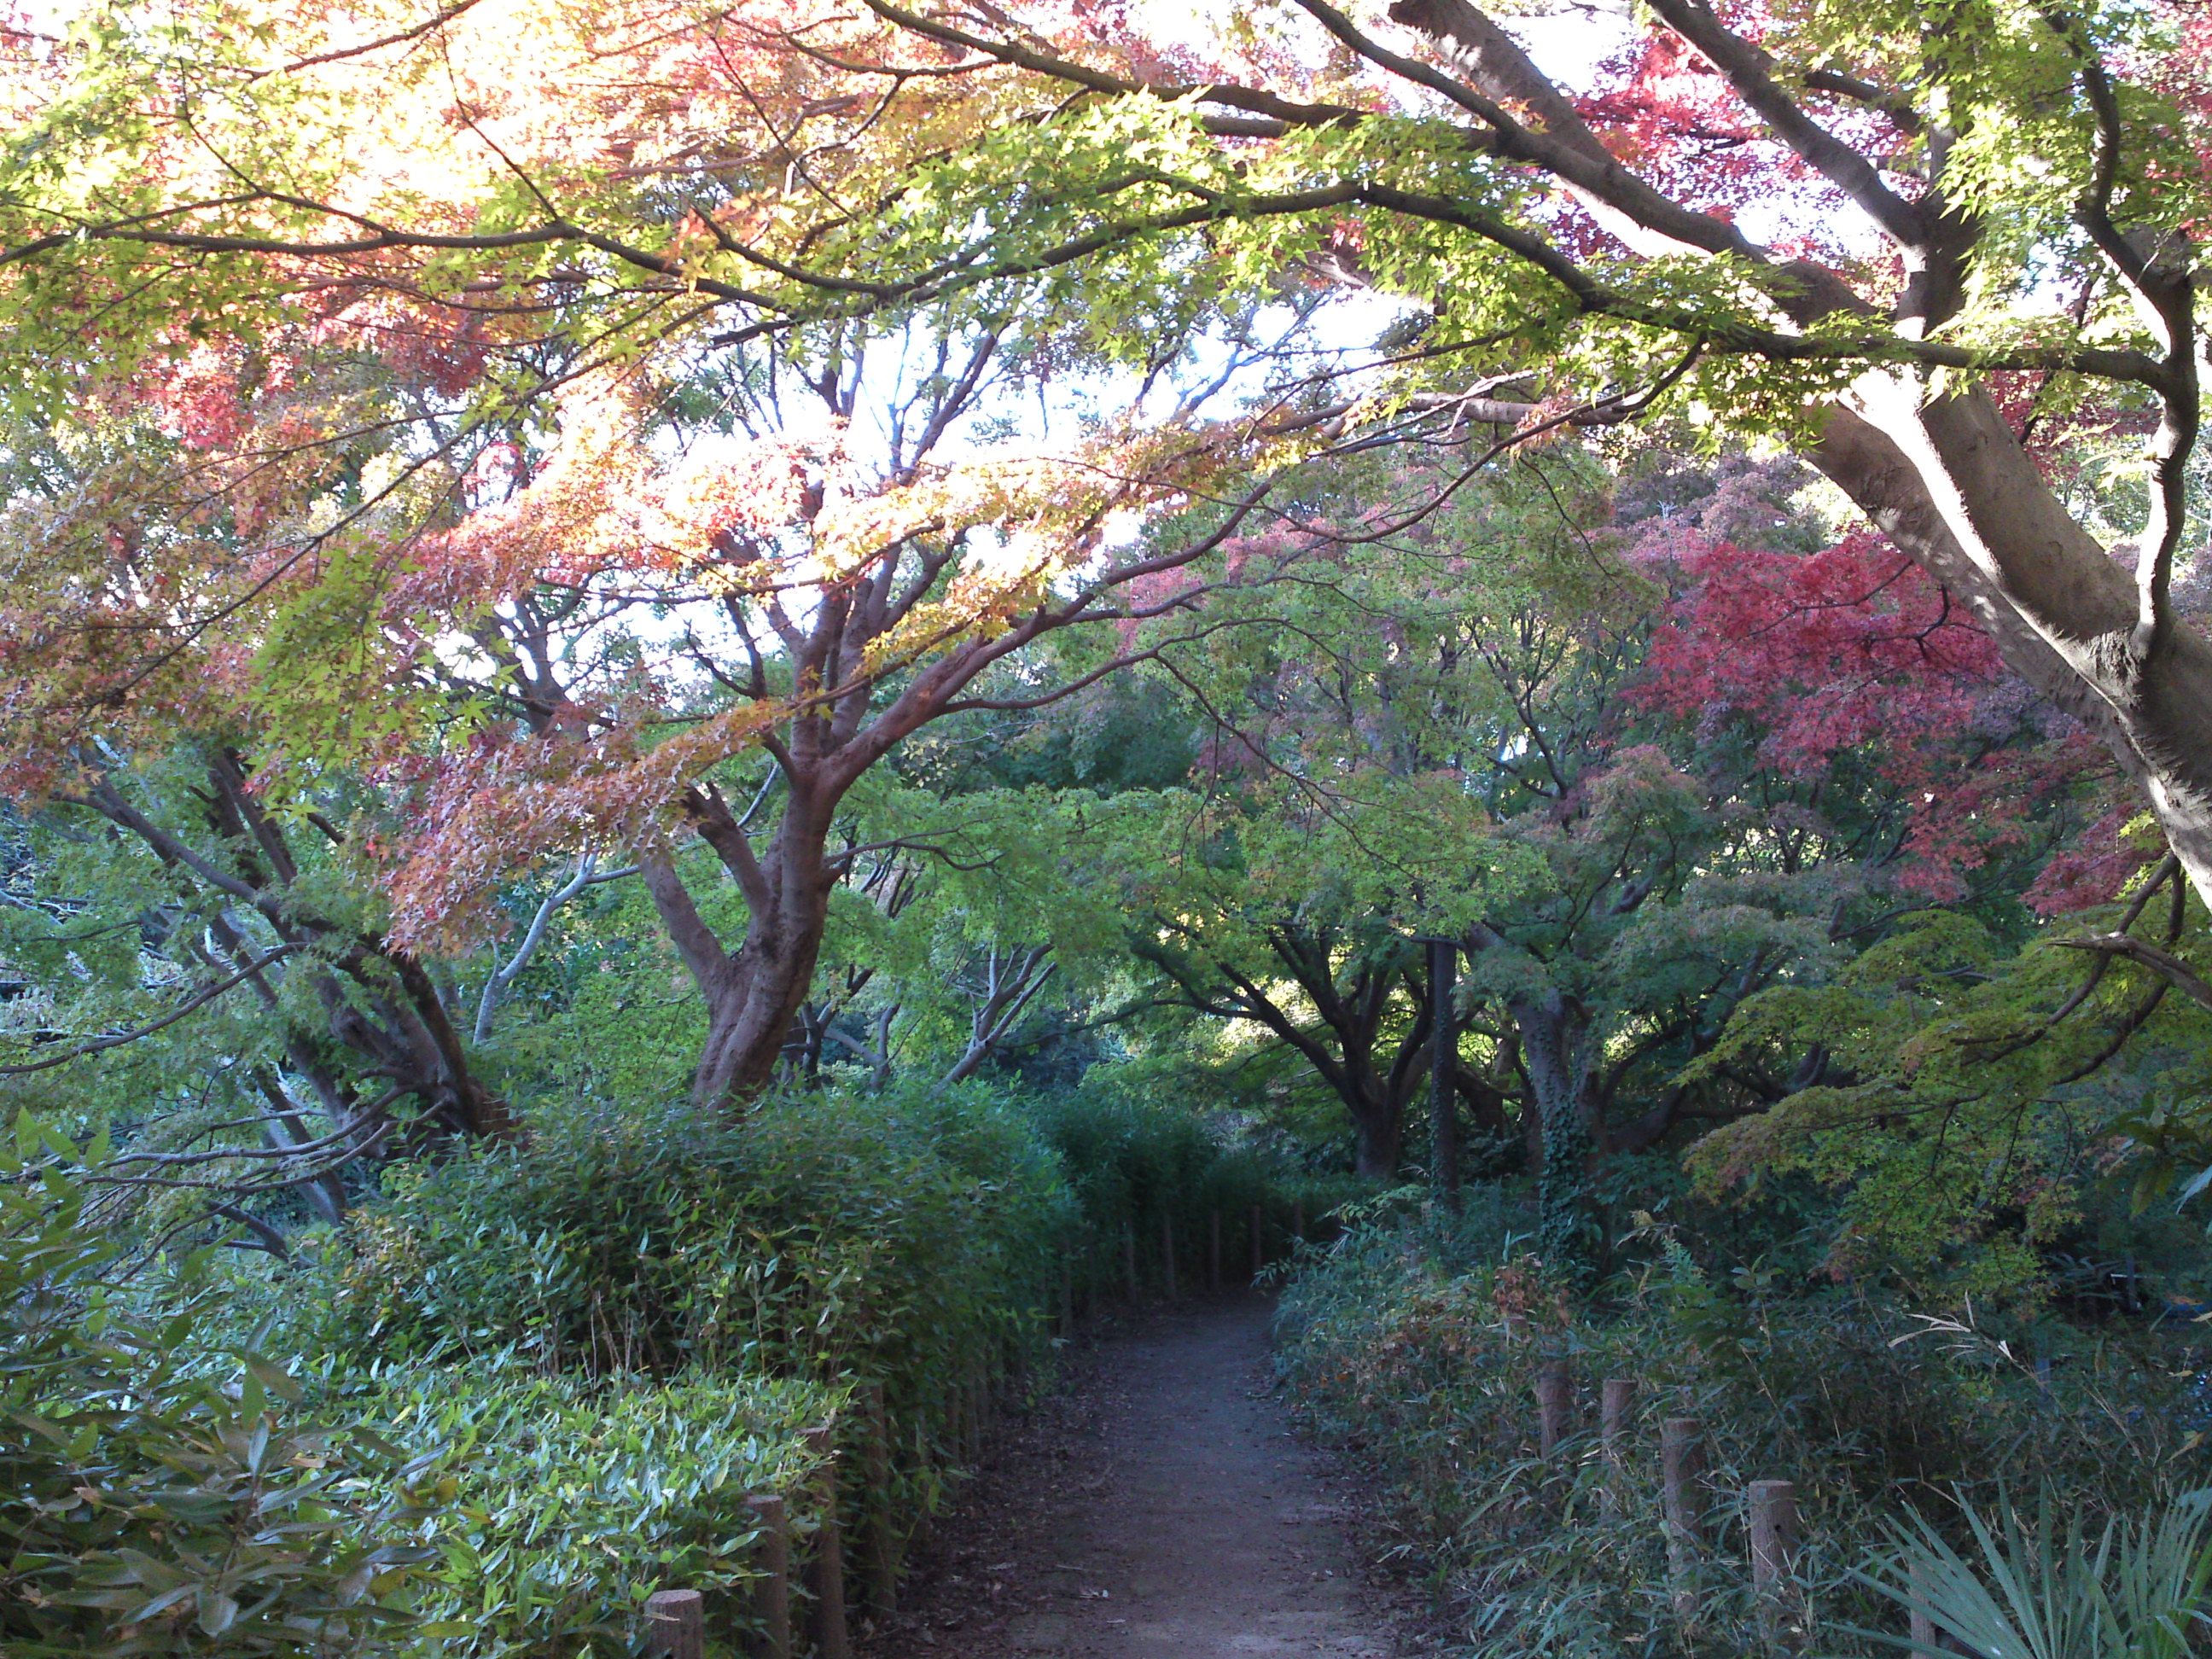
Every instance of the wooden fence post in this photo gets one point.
(1774, 1559)
(1213, 1252)
(830, 1641)
(883, 1527)
(1923, 1627)
(1167, 1255)
(1067, 1301)
(1129, 1260)
(1258, 1243)
(676, 1624)
(1617, 1404)
(773, 1599)
(1681, 1477)
(1616, 1407)
(1555, 1404)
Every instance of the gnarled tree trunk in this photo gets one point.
(1946, 479)
(753, 992)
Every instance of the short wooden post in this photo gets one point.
(1213, 1252)
(882, 1526)
(1616, 1407)
(772, 1599)
(1067, 1301)
(1258, 1243)
(1167, 1256)
(676, 1624)
(1774, 1559)
(1129, 1260)
(1681, 1479)
(1617, 1404)
(830, 1641)
(1923, 1627)
(1555, 1404)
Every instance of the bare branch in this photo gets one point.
(199, 1000)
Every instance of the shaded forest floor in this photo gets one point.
(1155, 1506)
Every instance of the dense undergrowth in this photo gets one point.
(1396, 1343)
(528, 1385)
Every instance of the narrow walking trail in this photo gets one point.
(1158, 1510)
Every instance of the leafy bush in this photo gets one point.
(819, 1237)
(1396, 1343)
(154, 1497)
(1132, 1160)
(573, 1499)
(2041, 1588)
(906, 1243)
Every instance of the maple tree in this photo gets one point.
(539, 556)
(2028, 184)
(418, 294)
(575, 635)
(1643, 747)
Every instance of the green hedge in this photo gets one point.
(158, 1493)
(822, 1237)
(568, 1501)
(1134, 1160)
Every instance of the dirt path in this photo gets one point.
(1157, 1510)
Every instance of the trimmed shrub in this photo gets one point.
(159, 1494)
(570, 1500)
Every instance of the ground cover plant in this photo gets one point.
(1417, 1341)
(164, 1495)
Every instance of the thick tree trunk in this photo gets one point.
(1947, 480)
(752, 993)
(749, 1017)
(1552, 1031)
(1378, 1131)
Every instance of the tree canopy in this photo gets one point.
(991, 540)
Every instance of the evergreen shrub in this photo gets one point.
(158, 1493)
(1132, 1160)
(819, 1237)
(572, 1499)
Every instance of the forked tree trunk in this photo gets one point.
(748, 1019)
(1378, 1129)
(408, 1035)
(1947, 481)
(754, 992)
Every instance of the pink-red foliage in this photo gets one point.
(1851, 650)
